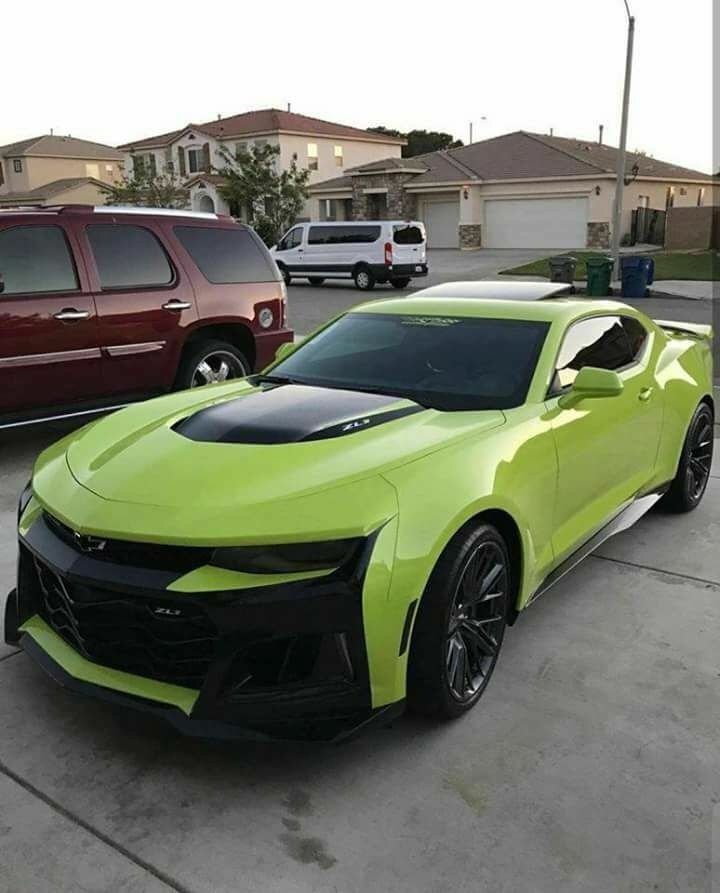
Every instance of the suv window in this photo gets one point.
(408, 235)
(128, 256)
(603, 341)
(343, 235)
(35, 259)
(227, 255)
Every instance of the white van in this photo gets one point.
(367, 251)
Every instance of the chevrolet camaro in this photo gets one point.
(305, 551)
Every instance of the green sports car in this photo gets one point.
(304, 551)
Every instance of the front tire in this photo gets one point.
(693, 474)
(211, 361)
(364, 278)
(287, 278)
(460, 625)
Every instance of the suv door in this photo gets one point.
(606, 447)
(49, 351)
(144, 302)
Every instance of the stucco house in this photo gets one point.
(194, 151)
(53, 169)
(518, 190)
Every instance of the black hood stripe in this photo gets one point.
(291, 414)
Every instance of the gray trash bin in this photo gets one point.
(562, 268)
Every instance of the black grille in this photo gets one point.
(164, 639)
(181, 559)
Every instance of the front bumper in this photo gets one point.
(284, 661)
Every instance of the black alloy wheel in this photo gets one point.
(693, 474)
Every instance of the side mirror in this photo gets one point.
(592, 382)
(287, 347)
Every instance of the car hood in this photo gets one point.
(252, 452)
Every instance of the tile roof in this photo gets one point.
(48, 190)
(524, 156)
(264, 121)
(53, 145)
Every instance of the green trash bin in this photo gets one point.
(599, 276)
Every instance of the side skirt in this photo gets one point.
(628, 516)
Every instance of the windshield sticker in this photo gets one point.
(428, 321)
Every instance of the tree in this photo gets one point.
(420, 142)
(148, 189)
(272, 198)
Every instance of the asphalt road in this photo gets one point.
(590, 765)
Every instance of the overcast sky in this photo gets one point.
(150, 67)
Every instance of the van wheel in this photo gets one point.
(209, 362)
(364, 278)
(401, 283)
(287, 278)
(316, 280)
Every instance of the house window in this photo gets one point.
(144, 165)
(108, 168)
(92, 170)
(195, 160)
(669, 198)
(240, 147)
(260, 144)
(338, 156)
(701, 197)
(312, 156)
(17, 165)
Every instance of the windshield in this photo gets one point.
(450, 363)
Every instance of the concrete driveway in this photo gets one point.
(310, 305)
(591, 764)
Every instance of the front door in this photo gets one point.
(49, 350)
(290, 249)
(607, 446)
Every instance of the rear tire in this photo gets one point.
(364, 278)
(693, 474)
(400, 283)
(211, 361)
(316, 280)
(460, 625)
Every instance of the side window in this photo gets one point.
(601, 341)
(637, 336)
(227, 255)
(36, 259)
(291, 239)
(128, 256)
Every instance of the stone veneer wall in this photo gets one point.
(470, 235)
(400, 204)
(598, 235)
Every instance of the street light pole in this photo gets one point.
(620, 184)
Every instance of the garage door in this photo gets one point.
(441, 224)
(536, 223)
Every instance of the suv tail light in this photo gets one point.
(388, 254)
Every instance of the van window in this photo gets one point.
(291, 239)
(36, 259)
(227, 255)
(408, 235)
(343, 235)
(128, 256)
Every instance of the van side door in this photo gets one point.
(49, 349)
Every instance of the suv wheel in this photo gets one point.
(460, 624)
(364, 278)
(209, 362)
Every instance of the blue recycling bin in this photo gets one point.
(637, 273)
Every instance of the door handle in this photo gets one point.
(70, 314)
(645, 394)
(177, 306)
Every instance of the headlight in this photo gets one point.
(25, 498)
(287, 559)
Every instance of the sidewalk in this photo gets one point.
(685, 288)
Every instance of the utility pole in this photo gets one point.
(471, 131)
(620, 183)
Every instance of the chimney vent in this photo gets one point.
(600, 134)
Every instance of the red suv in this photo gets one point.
(100, 306)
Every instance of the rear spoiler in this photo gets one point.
(698, 330)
